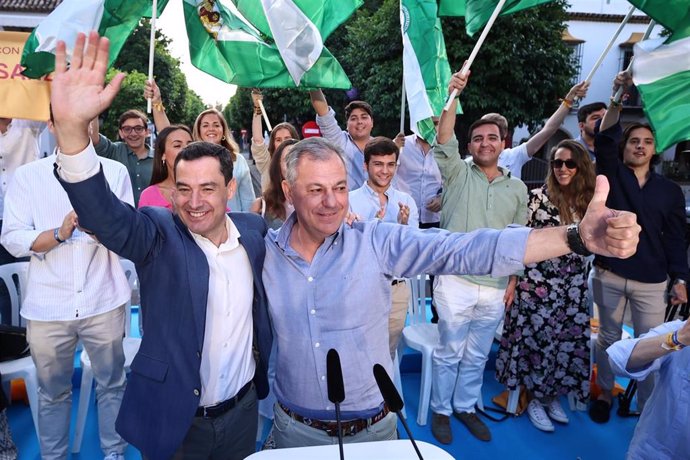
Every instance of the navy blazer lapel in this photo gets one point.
(198, 274)
(252, 242)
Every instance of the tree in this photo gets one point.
(182, 104)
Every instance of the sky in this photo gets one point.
(211, 90)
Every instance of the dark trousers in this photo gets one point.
(434, 314)
(231, 436)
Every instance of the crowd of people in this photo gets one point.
(243, 296)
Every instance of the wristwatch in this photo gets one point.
(680, 281)
(575, 242)
(56, 235)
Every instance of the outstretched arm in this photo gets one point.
(613, 111)
(160, 118)
(319, 102)
(556, 120)
(604, 231)
(446, 125)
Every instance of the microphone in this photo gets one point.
(393, 400)
(336, 390)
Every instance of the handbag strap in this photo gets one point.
(485, 412)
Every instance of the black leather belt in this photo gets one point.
(349, 427)
(222, 407)
(396, 282)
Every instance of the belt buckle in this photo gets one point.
(205, 412)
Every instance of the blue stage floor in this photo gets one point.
(513, 439)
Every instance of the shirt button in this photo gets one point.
(225, 345)
(196, 392)
(323, 377)
(310, 279)
(198, 354)
(317, 345)
(313, 312)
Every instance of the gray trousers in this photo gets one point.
(647, 303)
(52, 349)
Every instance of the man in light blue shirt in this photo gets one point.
(360, 122)
(377, 199)
(328, 286)
(662, 432)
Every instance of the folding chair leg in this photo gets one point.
(83, 410)
(425, 390)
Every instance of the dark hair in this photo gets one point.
(201, 149)
(226, 140)
(133, 113)
(276, 128)
(358, 105)
(380, 146)
(160, 171)
(627, 132)
(584, 111)
(500, 120)
(274, 196)
(482, 122)
(572, 201)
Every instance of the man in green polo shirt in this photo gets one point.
(477, 193)
(133, 151)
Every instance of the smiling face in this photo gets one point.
(176, 141)
(639, 148)
(564, 175)
(319, 195)
(211, 128)
(133, 131)
(360, 124)
(381, 169)
(485, 145)
(201, 197)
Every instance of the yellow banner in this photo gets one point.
(20, 97)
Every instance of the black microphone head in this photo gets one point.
(334, 377)
(388, 391)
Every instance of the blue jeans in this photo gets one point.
(288, 432)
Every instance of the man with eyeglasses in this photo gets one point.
(477, 193)
(133, 151)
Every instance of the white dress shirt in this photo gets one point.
(227, 362)
(78, 278)
(18, 146)
(514, 159)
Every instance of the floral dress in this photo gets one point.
(545, 343)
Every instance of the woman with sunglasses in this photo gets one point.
(545, 343)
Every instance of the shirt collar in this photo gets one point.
(282, 237)
(232, 242)
(373, 192)
(506, 172)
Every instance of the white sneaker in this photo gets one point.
(538, 416)
(114, 456)
(556, 412)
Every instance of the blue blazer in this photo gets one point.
(164, 387)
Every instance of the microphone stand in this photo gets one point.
(340, 430)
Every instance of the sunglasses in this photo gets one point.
(129, 129)
(558, 164)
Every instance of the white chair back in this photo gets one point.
(15, 275)
(132, 278)
(416, 313)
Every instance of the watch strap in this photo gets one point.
(575, 242)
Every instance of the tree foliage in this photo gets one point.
(521, 70)
(182, 104)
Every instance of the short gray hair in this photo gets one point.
(314, 148)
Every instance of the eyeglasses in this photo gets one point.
(558, 164)
(129, 129)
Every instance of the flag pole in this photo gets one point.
(402, 106)
(610, 44)
(647, 33)
(152, 45)
(477, 46)
(263, 113)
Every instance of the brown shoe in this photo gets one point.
(440, 428)
(474, 424)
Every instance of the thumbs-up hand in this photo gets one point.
(608, 232)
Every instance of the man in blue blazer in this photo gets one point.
(194, 383)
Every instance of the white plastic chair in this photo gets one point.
(22, 368)
(130, 346)
(422, 336)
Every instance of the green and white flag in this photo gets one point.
(267, 43)
(425, 64)
(478, 12)
(661, 73)
(115, 19)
